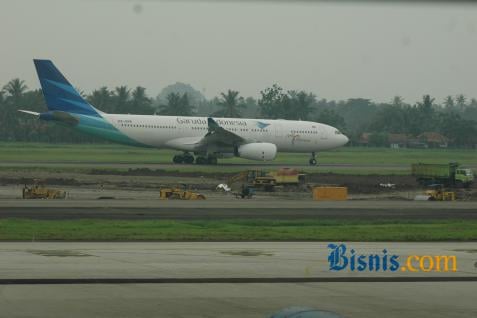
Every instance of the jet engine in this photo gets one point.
(257, 151)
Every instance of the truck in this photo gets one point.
(450, 174)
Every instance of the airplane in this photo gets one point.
(200, 140)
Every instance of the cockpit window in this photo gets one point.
(337, 132)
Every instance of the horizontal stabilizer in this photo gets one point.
(29, 112)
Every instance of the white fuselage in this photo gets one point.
(182, 133)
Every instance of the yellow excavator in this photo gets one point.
(437, 193)
(39, 191)
(178, 194)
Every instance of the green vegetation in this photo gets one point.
(235, 230)
(350, 160)
(110, 153)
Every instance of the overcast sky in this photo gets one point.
(336, 51)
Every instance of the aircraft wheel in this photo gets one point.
(188, 159)
(178, 159)
(312, 162)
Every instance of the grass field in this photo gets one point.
(109, 153)
(239, 230)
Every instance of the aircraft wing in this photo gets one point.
(219, 137)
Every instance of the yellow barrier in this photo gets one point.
(330, 193)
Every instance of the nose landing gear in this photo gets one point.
(312, 160)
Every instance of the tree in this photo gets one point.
(195, 97)
(473, 102)
(378, 139)
(300, 105)
(424, 117)
(271, 102)
(13, 98)
(231, 104)
(177, 104)
(275, 103)
(15, 89)
(121, 98)
(449, 103)
(398, 101)
(460, 101)
(141, 104)
(101, 99)
(388, 119)
(461, 132)
(427, 104)
(251, 108)
(332, 118)
(357, 113)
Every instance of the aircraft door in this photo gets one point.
(277, 133)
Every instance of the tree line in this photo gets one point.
(455, 117)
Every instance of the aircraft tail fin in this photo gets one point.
(59, 94)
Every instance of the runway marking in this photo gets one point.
(236, 280)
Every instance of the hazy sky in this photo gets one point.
(336, 51)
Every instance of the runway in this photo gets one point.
(231, 280)
(162, 165)
(231, 208)
(135, 165)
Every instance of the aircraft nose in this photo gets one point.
(345, 140)
(342, 140)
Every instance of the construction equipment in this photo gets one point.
(268, 180)
(178, 194)
(39, 191)
(450, 174)
(328, 193)
(247, 192)
(438, 193)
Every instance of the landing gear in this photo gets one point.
(210, 160)
(188, 158)
(178, 159)
(312, 160)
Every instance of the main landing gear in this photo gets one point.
(312, 160)
(188, 158)
(206, 160)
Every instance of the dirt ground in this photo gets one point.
(145, 183)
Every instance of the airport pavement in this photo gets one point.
(351, 300)
(24, 294)
(198, 260)
(231, 208)
(251, 165)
